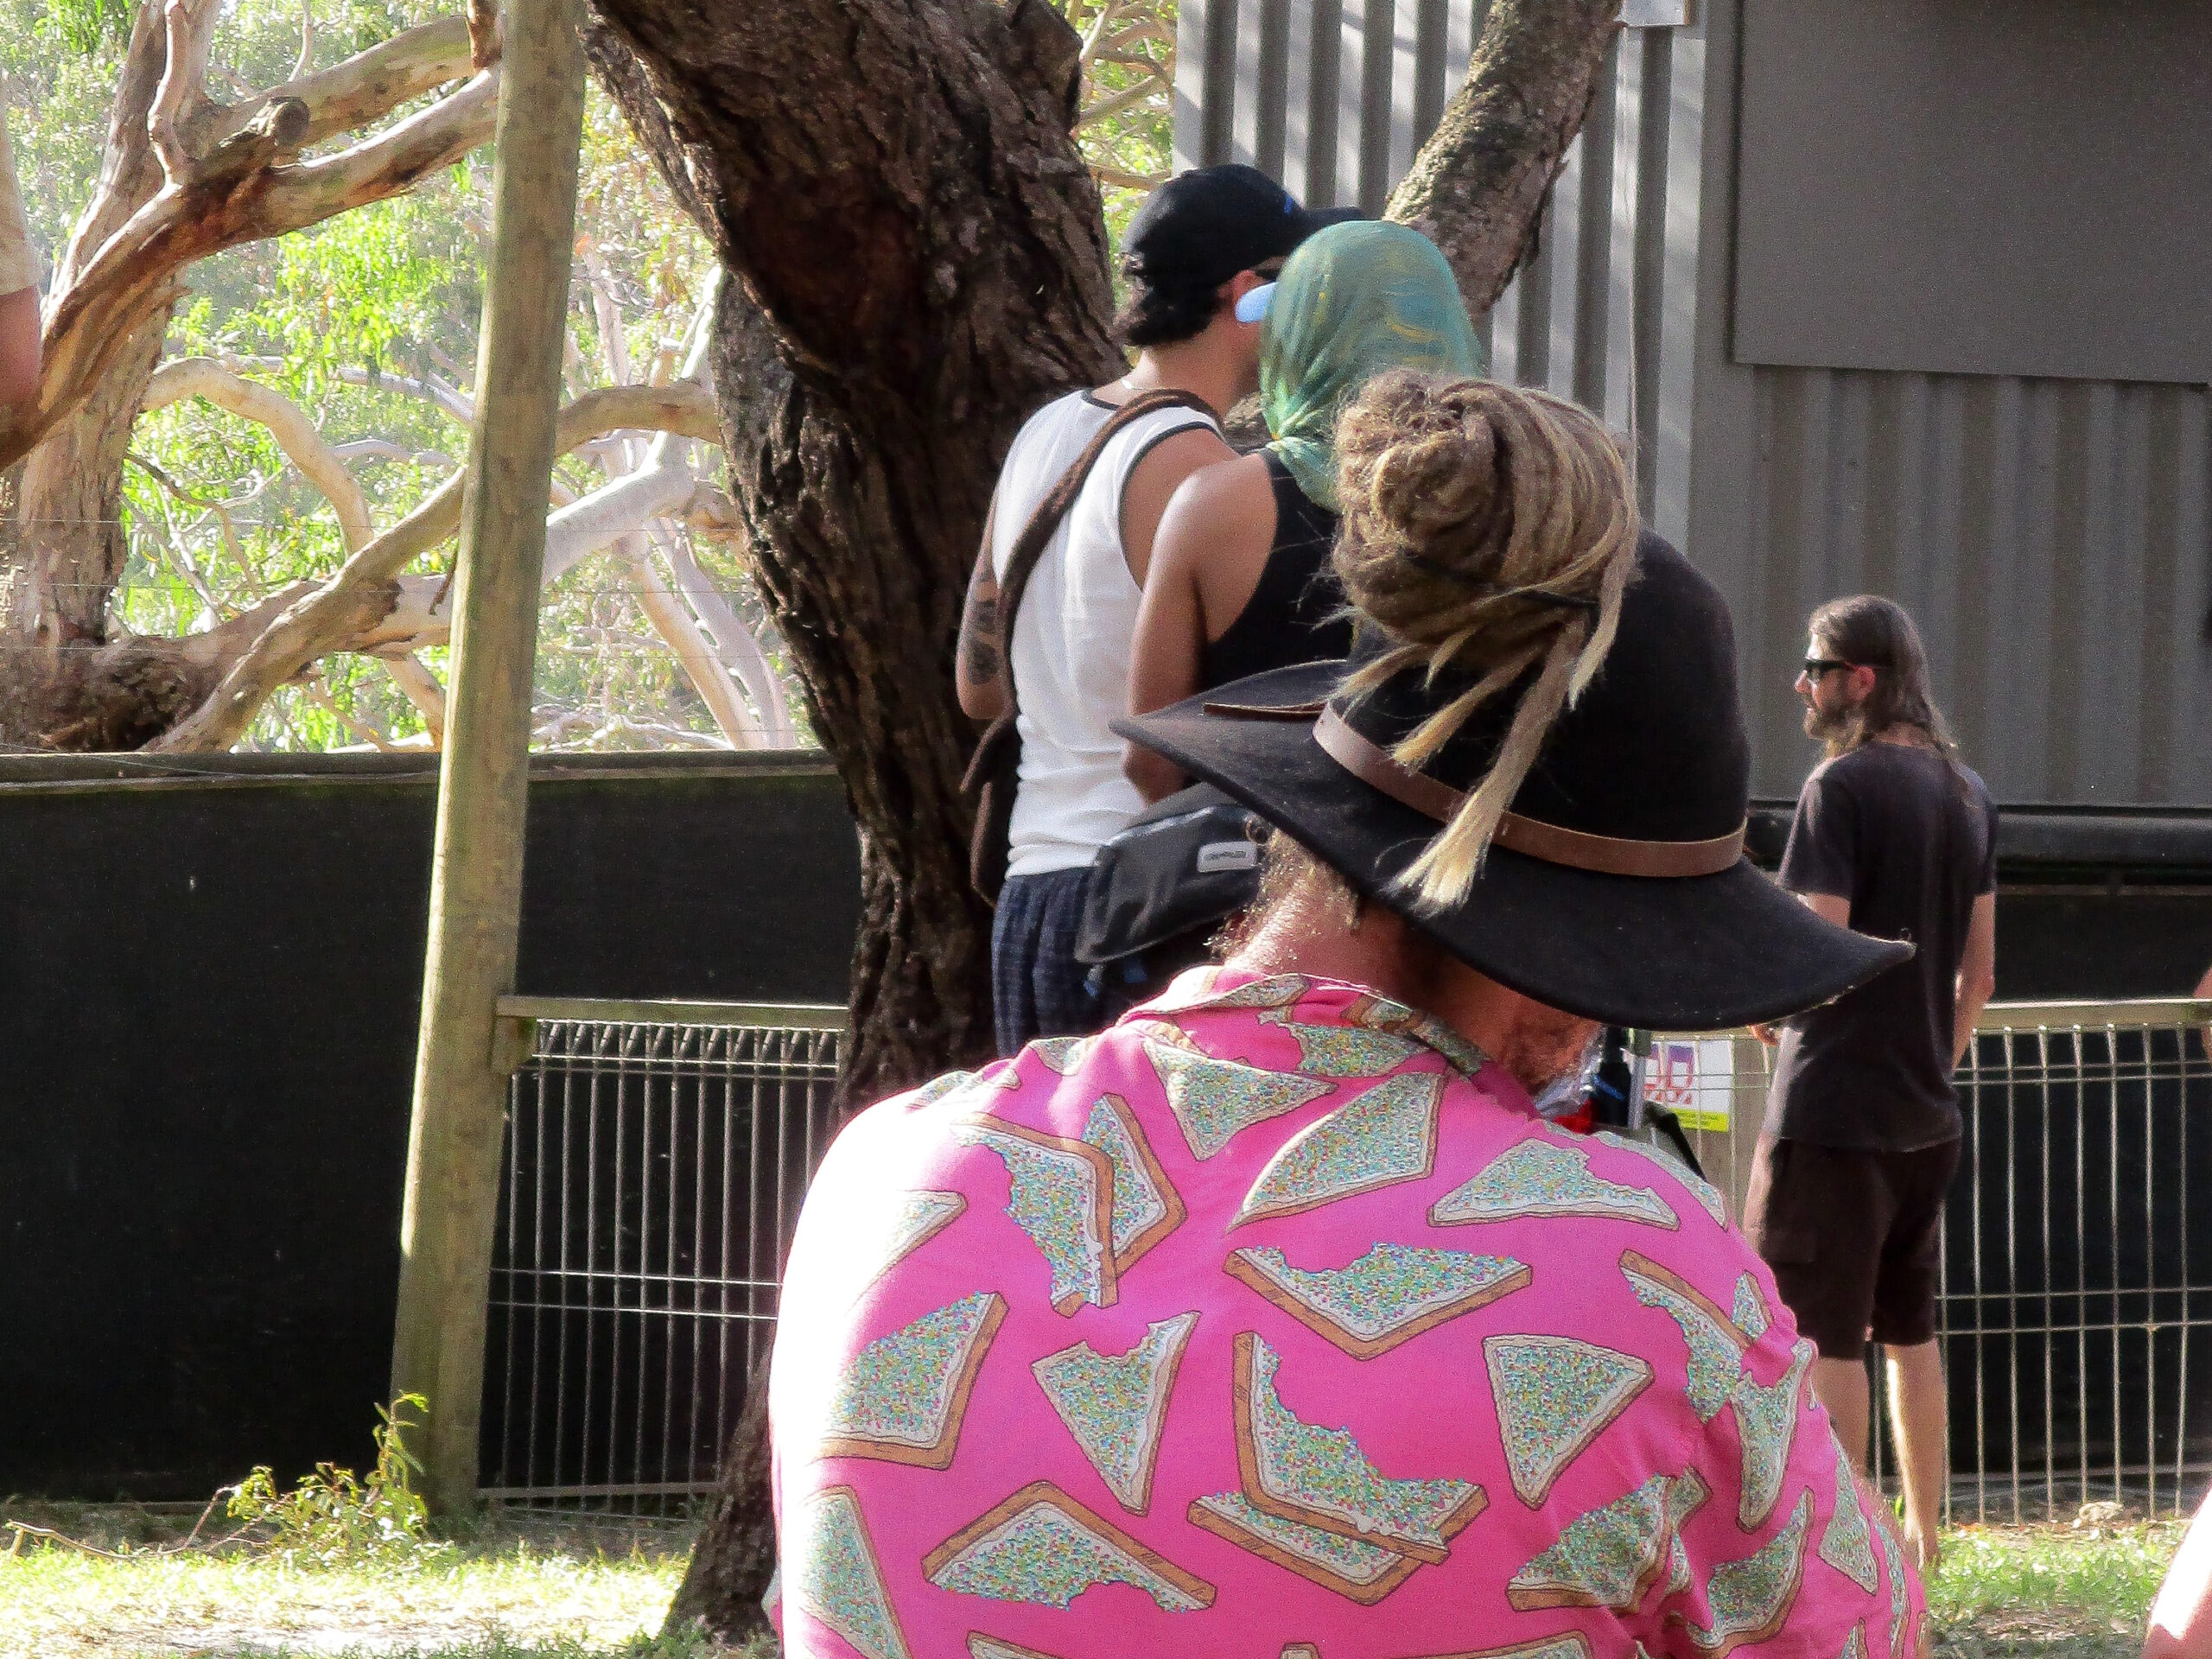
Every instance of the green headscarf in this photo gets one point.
(1354, 300)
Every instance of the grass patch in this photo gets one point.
(504, 1591)
(2077, 1591)
(513, 1588)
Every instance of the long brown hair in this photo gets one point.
(1868, 630)
(1489, 530)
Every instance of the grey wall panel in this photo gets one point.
(2049, 536)
(1335, 97)
(1992, 186)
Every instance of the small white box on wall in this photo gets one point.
(1658, 13)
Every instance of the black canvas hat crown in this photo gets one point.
(1617, 887)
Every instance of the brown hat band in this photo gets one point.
(1607, 855)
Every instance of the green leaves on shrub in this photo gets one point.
(332, 1516)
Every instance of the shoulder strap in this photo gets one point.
(1029, 546)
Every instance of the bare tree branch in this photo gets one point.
(183, 86)
(353, 604)
(200, 376)
(1151, 88)
(232, 191)
(1478, 184)
(348, 96)
(317, 692)
(384, 450)
(307, 40)
(421, 688)
(734, 643)
(695, 654)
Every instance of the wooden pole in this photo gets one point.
(461, 1076)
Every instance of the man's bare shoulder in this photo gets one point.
(1168, 463)
(1221, 511)
(1228, 483)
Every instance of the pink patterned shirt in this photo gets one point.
(1271, 1322)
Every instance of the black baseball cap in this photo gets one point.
(1204, 226)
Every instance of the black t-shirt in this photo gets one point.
(1912, 843)
(1294, 615)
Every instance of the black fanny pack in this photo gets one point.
(1184, 865)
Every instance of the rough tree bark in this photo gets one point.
(1479, 183)
(921, 264)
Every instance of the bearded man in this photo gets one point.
(1896, 837)
(1274, 1321)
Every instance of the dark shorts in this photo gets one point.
(1037, 985)
(1853, 1238)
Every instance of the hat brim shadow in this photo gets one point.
(1699, 953)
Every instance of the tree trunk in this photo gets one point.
(921, 263)
(736, 1555)
(1478, 184)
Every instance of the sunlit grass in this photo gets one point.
(512, 1591)
(504, 1594)
(2057, 1592)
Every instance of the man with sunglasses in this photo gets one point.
(1894, 838)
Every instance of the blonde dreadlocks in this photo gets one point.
(1490, 531)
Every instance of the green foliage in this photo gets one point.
(1136, 49)
(332, 1517)
(86, 26)
(216, 520)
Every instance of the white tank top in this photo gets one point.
(1070, 649)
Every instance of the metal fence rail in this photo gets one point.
(656, 1155)
(657, 1152)
(2071, 1285)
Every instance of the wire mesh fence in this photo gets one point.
(656, 1155)
(655, 1159)
(2072, 1286)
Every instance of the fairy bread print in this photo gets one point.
(1213, 1099)
(1847, 1542)
(1389, 1296)
(1147, 1207)
(1378, 1138)
(1556, 1394)
(1543, 1178)
(1363, 1572)
(1766, 1426)
(1610, 1556)
(1750, 1599)
(1301, 1471)
(1716, 1346)
(902, 1398)
(1116, 1405)
(1043, 1547)
(1063, 1197)
(835, 1577)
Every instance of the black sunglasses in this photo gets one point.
(1816, 666)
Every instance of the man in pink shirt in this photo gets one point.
(1276, 1320)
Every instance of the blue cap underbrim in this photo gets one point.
(1254, 305)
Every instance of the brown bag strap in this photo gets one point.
(1029, 546)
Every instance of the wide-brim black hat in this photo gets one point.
(1617, 889)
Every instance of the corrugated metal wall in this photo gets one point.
(2052, 538)
(1333, 97)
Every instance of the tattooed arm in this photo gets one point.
(978, 670)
